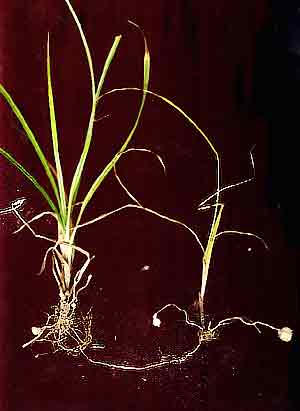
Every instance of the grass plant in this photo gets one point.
(65, 328)
(61, 200)
(206, 331)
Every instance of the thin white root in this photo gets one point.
(186, 317)
(285, 333)
(165, 359)
(38, 332)
(64, 330)
(210, 333)
(204, 335)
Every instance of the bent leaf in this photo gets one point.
(30, 177)
(80, 166)
(111, 164)
(31, 138)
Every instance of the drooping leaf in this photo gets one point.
(116, 157)
(30, 135)
(30, 177)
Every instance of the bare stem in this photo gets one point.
(201, 308)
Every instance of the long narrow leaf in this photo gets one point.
(30, 177)
(218, 211)
(59, 174)
(111, 164)
(209, 248)
(85, 45)
(107, 64)
(31, 138)
(77, 175)
(79, 169)
(192, 122)
(80, 166)
(185, 115)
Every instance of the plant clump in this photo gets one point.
(66, 329)
(63, 327)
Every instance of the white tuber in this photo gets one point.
(285, 334)
(156, 321)
(36, 330)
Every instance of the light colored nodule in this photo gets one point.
(156, 321)
(285, 334)
(35, 330)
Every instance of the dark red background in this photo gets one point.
(203, 59)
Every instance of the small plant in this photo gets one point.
(64, 329)
(205, 329)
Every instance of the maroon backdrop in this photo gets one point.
(203, 56)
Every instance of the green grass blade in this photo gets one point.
(209, 247)
(178, 109)
(111, 164)
(30, 177)
(78, 172)
(59, 174)
(85, 45)
(107, 64)
(79, 169)
(31, 138)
